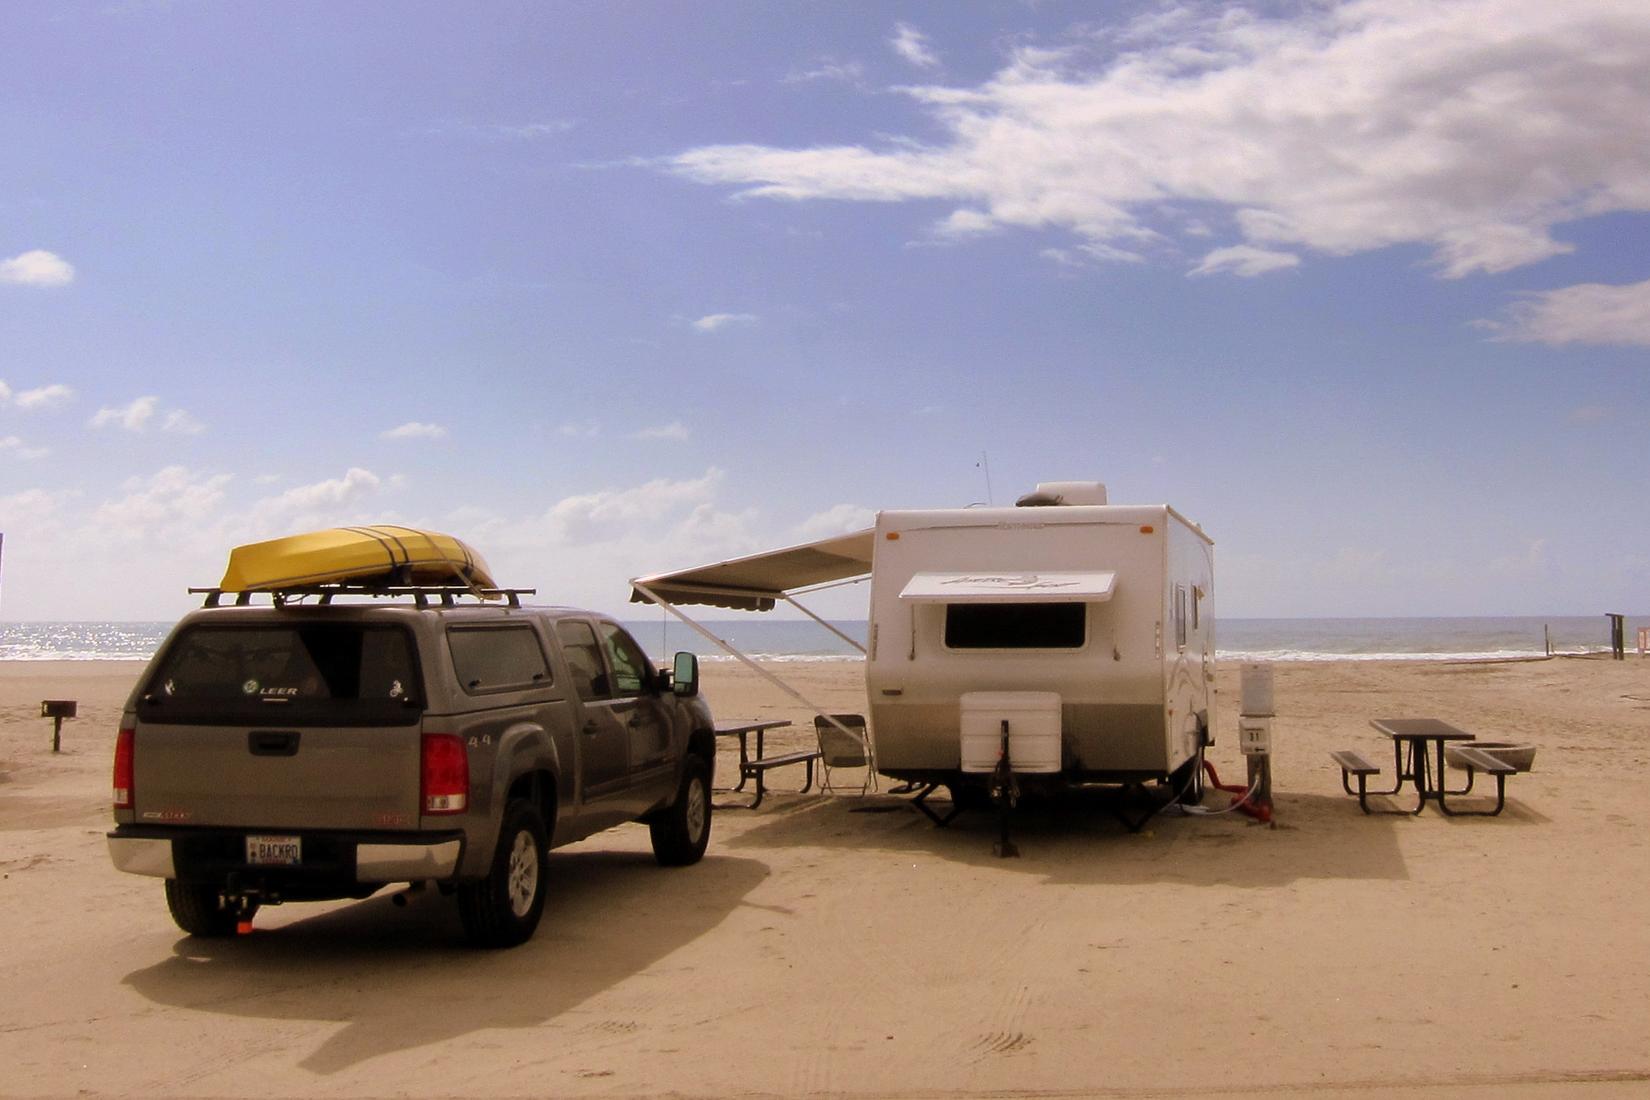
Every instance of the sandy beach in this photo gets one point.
(844, 946)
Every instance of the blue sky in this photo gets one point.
(612, 288)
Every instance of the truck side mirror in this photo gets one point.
(684, 674)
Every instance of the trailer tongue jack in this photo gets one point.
(1005, 791)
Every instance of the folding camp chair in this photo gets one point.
(843, 744)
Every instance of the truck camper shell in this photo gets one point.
(1086, 626)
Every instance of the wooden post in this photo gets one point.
(1618, 635)
(57, 710)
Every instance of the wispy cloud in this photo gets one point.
(848, 72)
(1245, 260)
(10, 444)
(1470, 128)
(41, 397)
(181, 423)
(37, 267)
(840, 519)
(715, 322)
(134, 417)
(1588, 313)
(140, 414)
(415, 429)
(581, 429)
(912, 45)
(505, 131)
(675, 430)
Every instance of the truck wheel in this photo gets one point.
(682, 831)
(503, 909)
(195, 908)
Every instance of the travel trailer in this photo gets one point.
(1075, 633)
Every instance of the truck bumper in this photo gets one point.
(214, 853)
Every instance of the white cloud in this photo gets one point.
(322, 499)
(41, 397)
(415, 429)
(10, 444)
(912, 45)
(181, 423)
(174, 495)
(675, 430)
(134, 417)
(30, 509)
(1245, 260)
(37, 267)
(614, 513)
(840, 519)
(1472, 128)
(140, 413)
(713, 322)
(1589, 313)
(581, 429)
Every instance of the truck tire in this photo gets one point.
(195, 908)
(682, 831)
(503, 909)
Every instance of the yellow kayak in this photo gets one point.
(399, 555)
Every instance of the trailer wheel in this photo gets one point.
(195, 909)
(503, 909)
(1188, 780)
(970, 796)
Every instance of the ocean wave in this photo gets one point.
(1476, 655)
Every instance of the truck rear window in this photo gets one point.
(1015, 625)
(344, 674)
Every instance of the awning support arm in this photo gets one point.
(728, 648)
(823, 623)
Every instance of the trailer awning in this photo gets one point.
(757, 582)
(1010, 587)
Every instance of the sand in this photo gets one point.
(840, 946)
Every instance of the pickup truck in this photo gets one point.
(323, 750)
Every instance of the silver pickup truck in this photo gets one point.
(305, 752)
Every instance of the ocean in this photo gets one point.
(1436, 639)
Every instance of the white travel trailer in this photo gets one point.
(1083, 625)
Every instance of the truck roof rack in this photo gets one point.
(423, 594)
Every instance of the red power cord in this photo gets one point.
(1261, 812)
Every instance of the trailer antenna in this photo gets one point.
(985, 464)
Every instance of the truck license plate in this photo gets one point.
(280, 851)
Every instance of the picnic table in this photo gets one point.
(1418, 759)
(757, 766)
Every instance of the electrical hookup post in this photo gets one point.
(1255, 715)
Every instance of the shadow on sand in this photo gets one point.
(1079, 839)
(400, 978)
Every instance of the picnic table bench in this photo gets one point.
(755, 767)
(1416, 744)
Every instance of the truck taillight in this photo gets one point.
(123, 770)
(446, 774)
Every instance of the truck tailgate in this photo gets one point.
(314, 777)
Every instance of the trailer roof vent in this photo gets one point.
(1051, 493)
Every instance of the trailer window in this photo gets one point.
(1015, 625)
(1180, 616)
